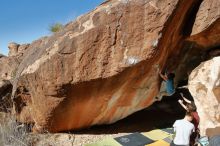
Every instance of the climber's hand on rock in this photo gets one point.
(159, 70)
(180, 101)
(157, 67)
(181, 94)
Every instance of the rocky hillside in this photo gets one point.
(103, 66)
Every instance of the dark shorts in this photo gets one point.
(194, 137)
(172, 144)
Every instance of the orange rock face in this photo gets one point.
(207, 15)
(101, 67)
(206, 28)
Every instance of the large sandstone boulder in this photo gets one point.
(101, 67)
(204, 85)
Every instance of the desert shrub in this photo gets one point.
(13, 133)
(13, 74)
(56, 27)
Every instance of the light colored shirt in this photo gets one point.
(183, 129)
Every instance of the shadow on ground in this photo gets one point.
(159, 115)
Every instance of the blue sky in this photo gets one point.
(23, 21)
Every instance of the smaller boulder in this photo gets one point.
(204, 85)
(22, 48)
(13, 49)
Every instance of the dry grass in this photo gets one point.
(12, 133)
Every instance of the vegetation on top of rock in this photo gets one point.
(55, 27)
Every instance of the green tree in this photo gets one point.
(55, 27)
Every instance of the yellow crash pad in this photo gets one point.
(159, 143)
(156, 134)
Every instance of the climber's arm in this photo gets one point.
(185, 99)
(163, 76)
(181, 103)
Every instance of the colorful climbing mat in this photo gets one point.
(158, 137)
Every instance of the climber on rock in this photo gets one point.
(167, 86)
